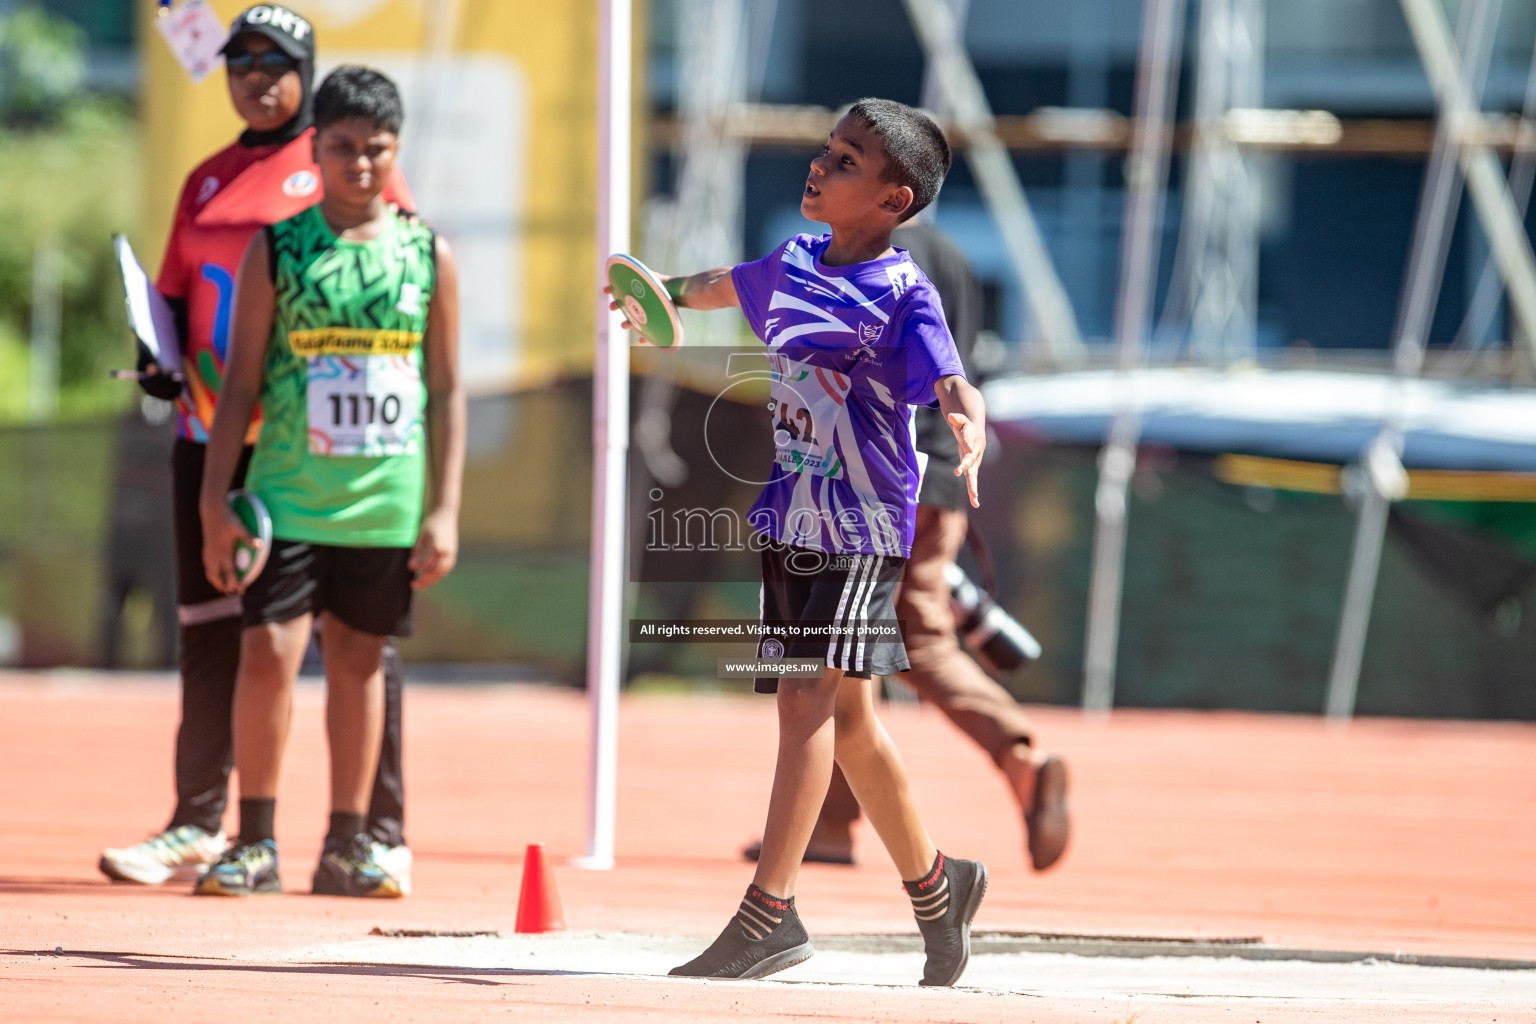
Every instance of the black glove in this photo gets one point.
(154, 383)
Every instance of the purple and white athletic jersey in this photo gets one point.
(853, 350)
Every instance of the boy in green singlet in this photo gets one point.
(346, 329)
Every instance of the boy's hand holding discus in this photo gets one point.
(222, 534)
(708, 289)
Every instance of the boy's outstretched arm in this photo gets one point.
(437, 544)
(249, 334)
(966, 413)
(708, 289)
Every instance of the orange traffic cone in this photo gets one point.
(538, 904)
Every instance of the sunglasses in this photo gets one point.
(271, 62)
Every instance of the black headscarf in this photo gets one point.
(299, 123)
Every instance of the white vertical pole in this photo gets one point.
(43, 363)
(610, 436)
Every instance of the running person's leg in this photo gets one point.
(941, 672)
(944, 675)
(832, 839)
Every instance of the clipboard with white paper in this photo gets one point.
(149, 315)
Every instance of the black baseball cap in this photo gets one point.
(290, 32)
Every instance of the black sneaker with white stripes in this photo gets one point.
(944, 902)
(764, 937)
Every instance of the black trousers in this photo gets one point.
(210, 659)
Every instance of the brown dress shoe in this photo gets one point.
(1048, 822)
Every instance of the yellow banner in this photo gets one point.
(352, 341)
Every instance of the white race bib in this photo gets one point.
(364, 405)
(808, 403)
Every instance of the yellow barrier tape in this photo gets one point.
(1423, 484)
(1282, 474)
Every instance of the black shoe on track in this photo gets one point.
(348, 868)
(948, 904)
(764, 937)
(245, 869)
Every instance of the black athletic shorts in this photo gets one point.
(369, 589)
(837, 607)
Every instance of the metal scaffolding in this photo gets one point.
(953, 82)
(1216, 269)
(1157, 76)
(701, 224)
(1458, 81)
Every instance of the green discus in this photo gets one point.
(644, 301)
(253, 515)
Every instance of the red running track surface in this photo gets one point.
(1386, 835)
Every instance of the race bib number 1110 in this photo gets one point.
(364, 405)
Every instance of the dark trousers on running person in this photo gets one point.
(941, 673)
(210, 660)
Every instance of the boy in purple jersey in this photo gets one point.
(856, 337)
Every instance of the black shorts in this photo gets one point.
(837, 607)
(369, 589)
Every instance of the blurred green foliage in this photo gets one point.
(42, 65)
(76, 180)
(69, 173)
(106, 23)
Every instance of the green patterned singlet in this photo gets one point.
(342, 455)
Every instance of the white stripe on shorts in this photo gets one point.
(842, 605)
(848, 610)
(874, 583)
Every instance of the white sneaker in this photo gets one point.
(396, 861)
(180, 852)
